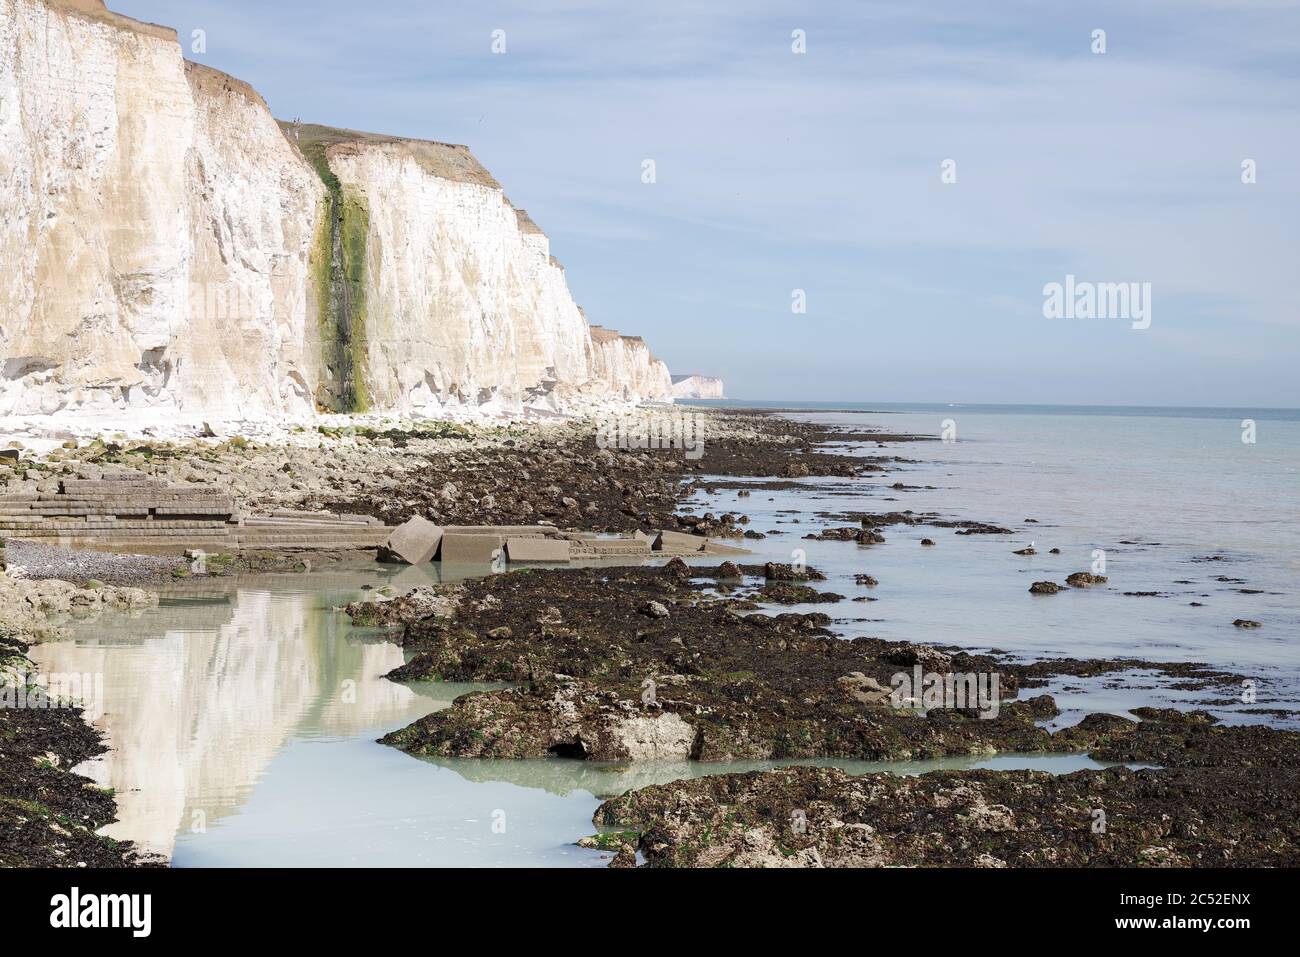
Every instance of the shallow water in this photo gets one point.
(242, 722)
(1178, 488)
(242, 729)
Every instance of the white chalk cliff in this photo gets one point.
(165, 243)
(696, 386)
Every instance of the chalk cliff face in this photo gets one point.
(697, 387)
(155, 227)
(626, 362)
(163, 243)
(452, 296)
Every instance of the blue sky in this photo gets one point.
(821, 172)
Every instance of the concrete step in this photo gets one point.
(369, 534)
(262, 534)
(261, 521)
(310, 544)
(107, 533)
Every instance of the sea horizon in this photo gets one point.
(1271, 413)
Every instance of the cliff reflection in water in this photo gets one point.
(201, 693)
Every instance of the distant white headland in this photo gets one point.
(696, 386)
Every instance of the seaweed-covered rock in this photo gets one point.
(823, 817)
(782, 572)
(601, 680)
(1083, 579)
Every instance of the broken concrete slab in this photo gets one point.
(614, 548)
(537, 549)
(462, 548)
(712, 547)
(623, 546)
(679, 541)
(415, 542)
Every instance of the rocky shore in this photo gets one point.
(454, 473)
(674, 662)
(1222, 797)
(698, 662)
(472, 474)
(679, 662)
(635, 664)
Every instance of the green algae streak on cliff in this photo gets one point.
(339, 271)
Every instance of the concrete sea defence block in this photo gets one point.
(610, 548)
(622, 547)
(717, 548)
(679, 542)
(415, 542)
(461, 548)
(537, 549)
(499, 533)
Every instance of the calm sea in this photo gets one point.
(1177, 501)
